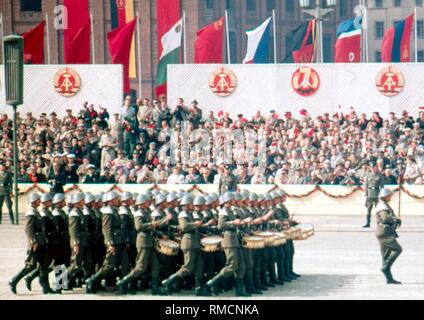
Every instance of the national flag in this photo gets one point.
(171, 54)
(119, 41)
(258, 43)
(304, 40)
(348, 44)
(209, 44)
(122, 12)
(396, 46)
(34, 45)
(76, 38)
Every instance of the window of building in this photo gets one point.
(397, 3)
(378, 56)
(289, 6)
(270, 5)
(420, 56)
(328, 47)
(379, 3)
(343, 8)
(251, 5)
(379, 29)
(229, 4)
(31, 5)
(419, 3)
(209, 4)
(420, 29)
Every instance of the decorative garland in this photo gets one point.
(197, 188)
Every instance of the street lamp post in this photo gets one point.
(318, 13)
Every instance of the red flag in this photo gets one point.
(81, 40)
(119, 41)
(78, 14)
(396, 45)
(209, 44)
(34, 45)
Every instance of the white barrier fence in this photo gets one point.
(303, 200)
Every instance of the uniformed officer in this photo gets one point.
(101, 249)
(234, 265)
(190, 245)
(387, 222)
(374, 182)
(37, 255)
(63, 226)
(116, 255)
(208, 216)
(227, 182)
(81, 259)
(54, 245)
(5, 190)
(92, 227)
(147, 256)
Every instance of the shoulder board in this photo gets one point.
(382, 206)
(85, 212)
(156, 213)
(107, 210)
(74, 213)
(123, 210)
(30, 212)
(182, 215)
(138, 213)
(223, 212)
(56, 212)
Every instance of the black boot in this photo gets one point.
(92, 283)
(281, 272)
(29, 278)
(11, 218)
(123, 284)
(200, 290)
(289, 274)
(213, 284)
(240, 289)
(387, 268)
(250, 288)
(272, 276)
(156, 290)
(167, 283)
(257, 282)
(14, 282)
(368, 223)
(44, 282)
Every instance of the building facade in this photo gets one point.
(21, 15)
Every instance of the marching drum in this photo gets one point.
(306, 231)
(167, 247)
(280, 239)
(292, 233)
(211, 244)
(267, 236)
(250, 242)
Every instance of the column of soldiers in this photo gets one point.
(110, 240)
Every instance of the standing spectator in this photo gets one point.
(57, 179)
(108, 143)
(116, 130)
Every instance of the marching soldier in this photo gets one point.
(227, 182)
(234, 265)
(374, 182)
(37, 254)
(63, 227)
(147, 256)
(5, 190)
(81, 259)
(101, 249)
(116, 254)
(207, 214)
(93, 231)
(190, 245)
(387, 222)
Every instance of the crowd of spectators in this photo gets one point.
(92, 146)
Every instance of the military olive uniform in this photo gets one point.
(268, 276)
(258, 254)
(374, 182)
(208, 257)
(35, 230)
(92, 227)
(61, 221)
(247, 253)
(100, 253)
(55, 249)
(113, 236)
(167, 263)
(387, 222)
(289, 245)
(5, 189)
(79, 236)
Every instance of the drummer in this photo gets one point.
(190, 245)
(146, 254)
(288, 247)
